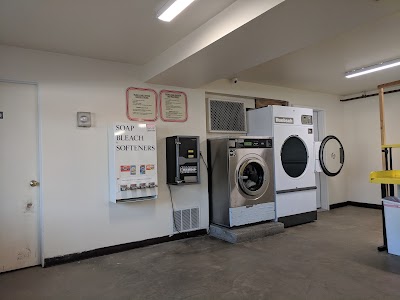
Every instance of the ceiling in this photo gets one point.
(119, 30)
(304, 44)
(321, 66)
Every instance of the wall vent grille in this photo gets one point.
(226, 116)
(186, 219)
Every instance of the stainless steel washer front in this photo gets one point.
(241, 180)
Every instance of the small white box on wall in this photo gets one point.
(84, 119)
(132, 162)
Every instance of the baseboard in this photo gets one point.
(337, 205)
(48, 262)
(358, 204)
(298, 219)
(366, 205)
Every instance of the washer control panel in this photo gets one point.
(250, 143)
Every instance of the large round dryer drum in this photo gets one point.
(294, 156)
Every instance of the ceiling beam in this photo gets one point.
(231, 18)
(389, 84)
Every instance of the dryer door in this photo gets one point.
(294, 156)
(331, 155)
(253, 177)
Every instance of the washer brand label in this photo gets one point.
(284, 120)
(188, 169)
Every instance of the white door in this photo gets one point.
(19, 201)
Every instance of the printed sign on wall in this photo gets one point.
(132, 162)
(173, 106)
(141, 104)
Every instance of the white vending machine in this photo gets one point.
(132, 162)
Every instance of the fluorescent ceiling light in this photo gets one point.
(172, 8)
(374, 68)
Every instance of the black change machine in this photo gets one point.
(183, 159)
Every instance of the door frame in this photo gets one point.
(39, 162)
(323, 179)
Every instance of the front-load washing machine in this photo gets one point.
(295, 159)
(241, 180)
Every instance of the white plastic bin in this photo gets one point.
(392, 224)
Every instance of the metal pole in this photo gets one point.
(384, 161)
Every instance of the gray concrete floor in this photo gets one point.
(333, 258)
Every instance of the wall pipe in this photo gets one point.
(370, 95)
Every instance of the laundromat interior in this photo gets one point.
(201, 149)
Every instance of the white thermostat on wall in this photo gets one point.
(84, 119)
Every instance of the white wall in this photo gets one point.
(363, 141)
(330, 103)
(77, 215)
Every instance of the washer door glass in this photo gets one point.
(294, 156)
(253, 178)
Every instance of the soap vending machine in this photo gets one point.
(183, 159)
(132, 162)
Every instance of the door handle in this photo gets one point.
(33, 183)
(341, 156)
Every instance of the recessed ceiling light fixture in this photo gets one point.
(172, 8)
(373, 68)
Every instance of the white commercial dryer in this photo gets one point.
(295, 159)
(241, 180)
